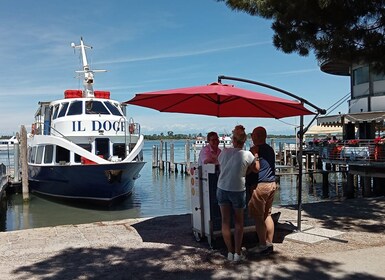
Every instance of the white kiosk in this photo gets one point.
(206, 215)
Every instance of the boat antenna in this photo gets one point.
(88, 73)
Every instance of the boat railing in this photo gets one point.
(354, 150)
(133, 128)
(61, 134)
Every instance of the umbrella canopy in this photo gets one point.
(219, 100)
(223, 100)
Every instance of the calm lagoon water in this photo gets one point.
(156, 193)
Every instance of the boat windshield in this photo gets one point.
(96, 107)
(55, 111)
(76, 108)
(63, 110)
(113, 109)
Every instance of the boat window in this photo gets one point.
(48, 154)
(63, 110)
(39, 155)
(113, 109)
(102, 147)
(87, 147)
(119, 150)
(32, 153)
(62, 154)
(76, 108)
(96, 107)
(55, 111)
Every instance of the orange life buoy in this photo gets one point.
(131, 128)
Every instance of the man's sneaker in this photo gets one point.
(239, 258)
(262, 249)
(230, 256)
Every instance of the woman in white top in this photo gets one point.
(234, 164)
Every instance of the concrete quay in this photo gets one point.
(164, 248)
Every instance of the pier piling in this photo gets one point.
(325, 184)
(24, 166)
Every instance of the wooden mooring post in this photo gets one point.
(161, 166)
(169, 164)
(16, 167)
(155, 158)
(325, 184)
(24, 166)
(187, 157)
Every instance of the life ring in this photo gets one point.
(131, 128)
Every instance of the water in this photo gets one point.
(155, 194)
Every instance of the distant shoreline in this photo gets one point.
(193, 137)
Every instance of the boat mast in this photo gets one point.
(88, 80)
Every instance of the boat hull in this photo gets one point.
(94, 182)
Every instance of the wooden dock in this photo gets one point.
(168, 163)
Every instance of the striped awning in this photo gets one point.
(339, 120)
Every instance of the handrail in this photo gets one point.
(348, 151)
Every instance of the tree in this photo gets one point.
(348, 31)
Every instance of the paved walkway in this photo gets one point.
(164, 248)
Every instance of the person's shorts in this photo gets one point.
(261, 201)
(236, 199)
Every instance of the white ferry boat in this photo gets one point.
(83, 147)
(8, 144)
(200, 142)
(225, 142)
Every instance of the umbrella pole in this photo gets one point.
(300, 173)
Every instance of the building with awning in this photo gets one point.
(362, 148)
(340, 119)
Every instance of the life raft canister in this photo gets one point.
(73, 93)
(102, 94)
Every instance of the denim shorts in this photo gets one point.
(236, 199)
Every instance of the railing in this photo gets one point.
(353, 151)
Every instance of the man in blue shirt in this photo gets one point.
(264, 186)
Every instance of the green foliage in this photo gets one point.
(346, 31)
(161, 136)
(173, 136)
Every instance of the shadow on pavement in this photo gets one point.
(170, 251)
(365, 214)
(173, 262)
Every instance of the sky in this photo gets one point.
(149, 45)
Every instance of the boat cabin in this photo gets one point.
(97, 125)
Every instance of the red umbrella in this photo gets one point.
(220, 100)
